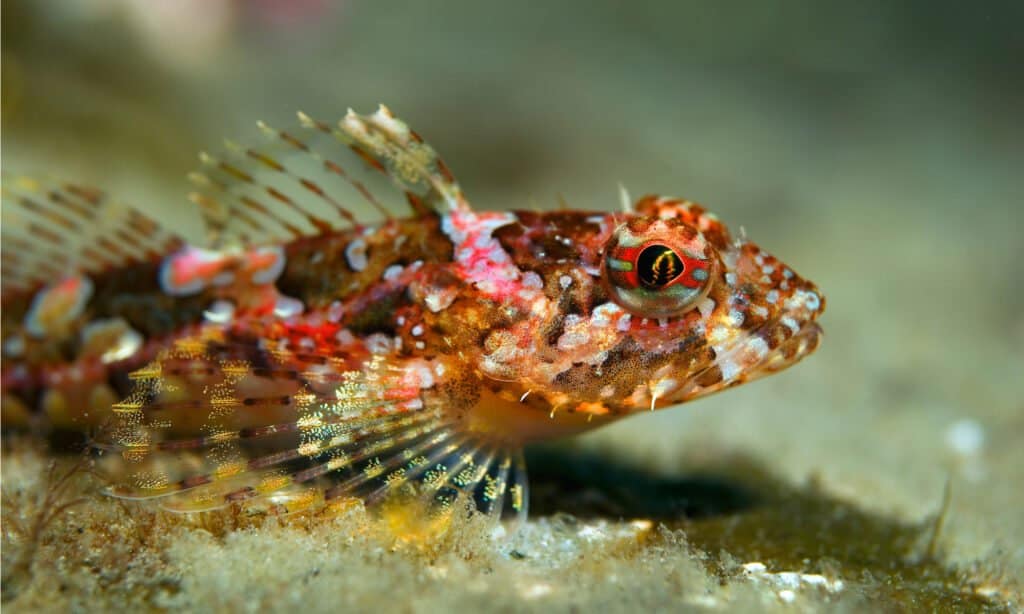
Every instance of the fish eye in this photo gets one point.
(657, 265)
(658, 268)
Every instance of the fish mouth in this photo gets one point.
(803, 343)
(746, 359)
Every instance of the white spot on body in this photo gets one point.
(576, 333)
(772, 296)
(804, 299)
(14, 346)
(706, 307)
(719, 334)
(335, 311)
(219, 312)
(419, 375)
(417, 330)
(564, 281)
(355, 254)
(736, 318)
(111, 339)
(729, 369)
(378, 343)
(286, 307)
(393, 272)
(439, 299)
(604, 314)
(758, 347)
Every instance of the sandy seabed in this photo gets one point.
(875, 150)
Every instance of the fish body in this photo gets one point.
(306, 357)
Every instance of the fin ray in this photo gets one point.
(52, 230)
(223, 420)
(295, 185)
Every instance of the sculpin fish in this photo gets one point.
(307, 355)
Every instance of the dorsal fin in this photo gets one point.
(303, 184)
(52, 230)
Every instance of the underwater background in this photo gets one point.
(877, 147)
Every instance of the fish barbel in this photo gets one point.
(307, 355)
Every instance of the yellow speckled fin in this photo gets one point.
(302, 183)
(53, 230)
(216, 422)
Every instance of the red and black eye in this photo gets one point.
(658, 265)
(660, 271)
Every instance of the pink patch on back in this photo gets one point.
(191, 270)
(479, 257)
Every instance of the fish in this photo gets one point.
(326, 344)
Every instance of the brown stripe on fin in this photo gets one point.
(321, 179)
(52, 230)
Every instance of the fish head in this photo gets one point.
(645, 309)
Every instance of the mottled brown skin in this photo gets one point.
(132, 293)
(318, 273)
(556, 246)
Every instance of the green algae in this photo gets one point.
(737, 512)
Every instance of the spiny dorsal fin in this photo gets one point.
(302, 184)
(52, 230)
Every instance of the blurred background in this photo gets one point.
(876, 147)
